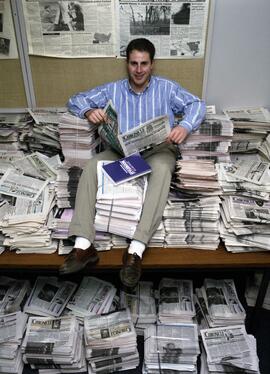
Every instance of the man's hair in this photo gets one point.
(142, 45)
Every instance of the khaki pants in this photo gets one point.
(162, 161)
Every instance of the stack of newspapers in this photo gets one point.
(93, 296)
(13, 293)
(175, 301)
(49, 296)
(28, 187)
(251, 126)
(11, 127)
(219, 303)
(211, 141)
(196, 176)
(78, 138)
(110, 341)
(172, 348)
(43, 134)
(119, 207)
(158, 238)
(66, 184)
(192, 221)
(54, 345)
(245, 177)
(245, 223)
(12, 328)
(230, 350)
(142, 305)
(79, 143)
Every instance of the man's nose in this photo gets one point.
(139, 68)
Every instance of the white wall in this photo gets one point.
(238, 71)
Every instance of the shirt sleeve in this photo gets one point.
(192, 108)
(80, 103)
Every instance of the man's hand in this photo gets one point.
(177, 135)
(96, 116)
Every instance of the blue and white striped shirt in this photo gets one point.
(160, 97)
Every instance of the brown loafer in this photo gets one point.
(131, 271)
(78, 259)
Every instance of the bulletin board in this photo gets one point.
(56, 79)
(12, 94)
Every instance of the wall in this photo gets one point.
(239, 58)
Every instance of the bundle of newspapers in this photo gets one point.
(192, 221)
(110, 342)
(93, 296)
(196, 176)
(119, 207)
(13, 293)
(27, 187)
(175, 301)
(158, 238)
(219, 303)
(54, 345)
(245, 224)
(211, 141)
(78, 138)
(49, 296)
(230, 350)
(12, 328)
(245, 177)
(66, 184)
(31, 132)
(142, 305)
(251, 126)
(171, 348)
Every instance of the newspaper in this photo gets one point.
(8, 45)
(245, 209)
(109, 131)
(175, 300)
(12, 294)
(14, 184)
(36, 165)
(229, 346)
(177, 28)
(49, 296)
(146, 135)
(253, 172)
(94, 296)
(69, 28)
(253, 114)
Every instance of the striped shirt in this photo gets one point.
(160, 97)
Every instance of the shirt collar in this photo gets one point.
(146, 88)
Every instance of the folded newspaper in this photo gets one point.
(146, 135)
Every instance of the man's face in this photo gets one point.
(139, 68)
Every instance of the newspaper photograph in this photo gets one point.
(8, 45)
(70, 28)
(176, 27)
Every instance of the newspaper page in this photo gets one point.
(230, 341)
(8, 45)
(255, 114)
(19, 185)
(176, 27)
(70, 28)
(109, 131)
(49, 296)
(145, 136)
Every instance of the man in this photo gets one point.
(138, 98)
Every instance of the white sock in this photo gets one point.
(136, 247)
(82, 243)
